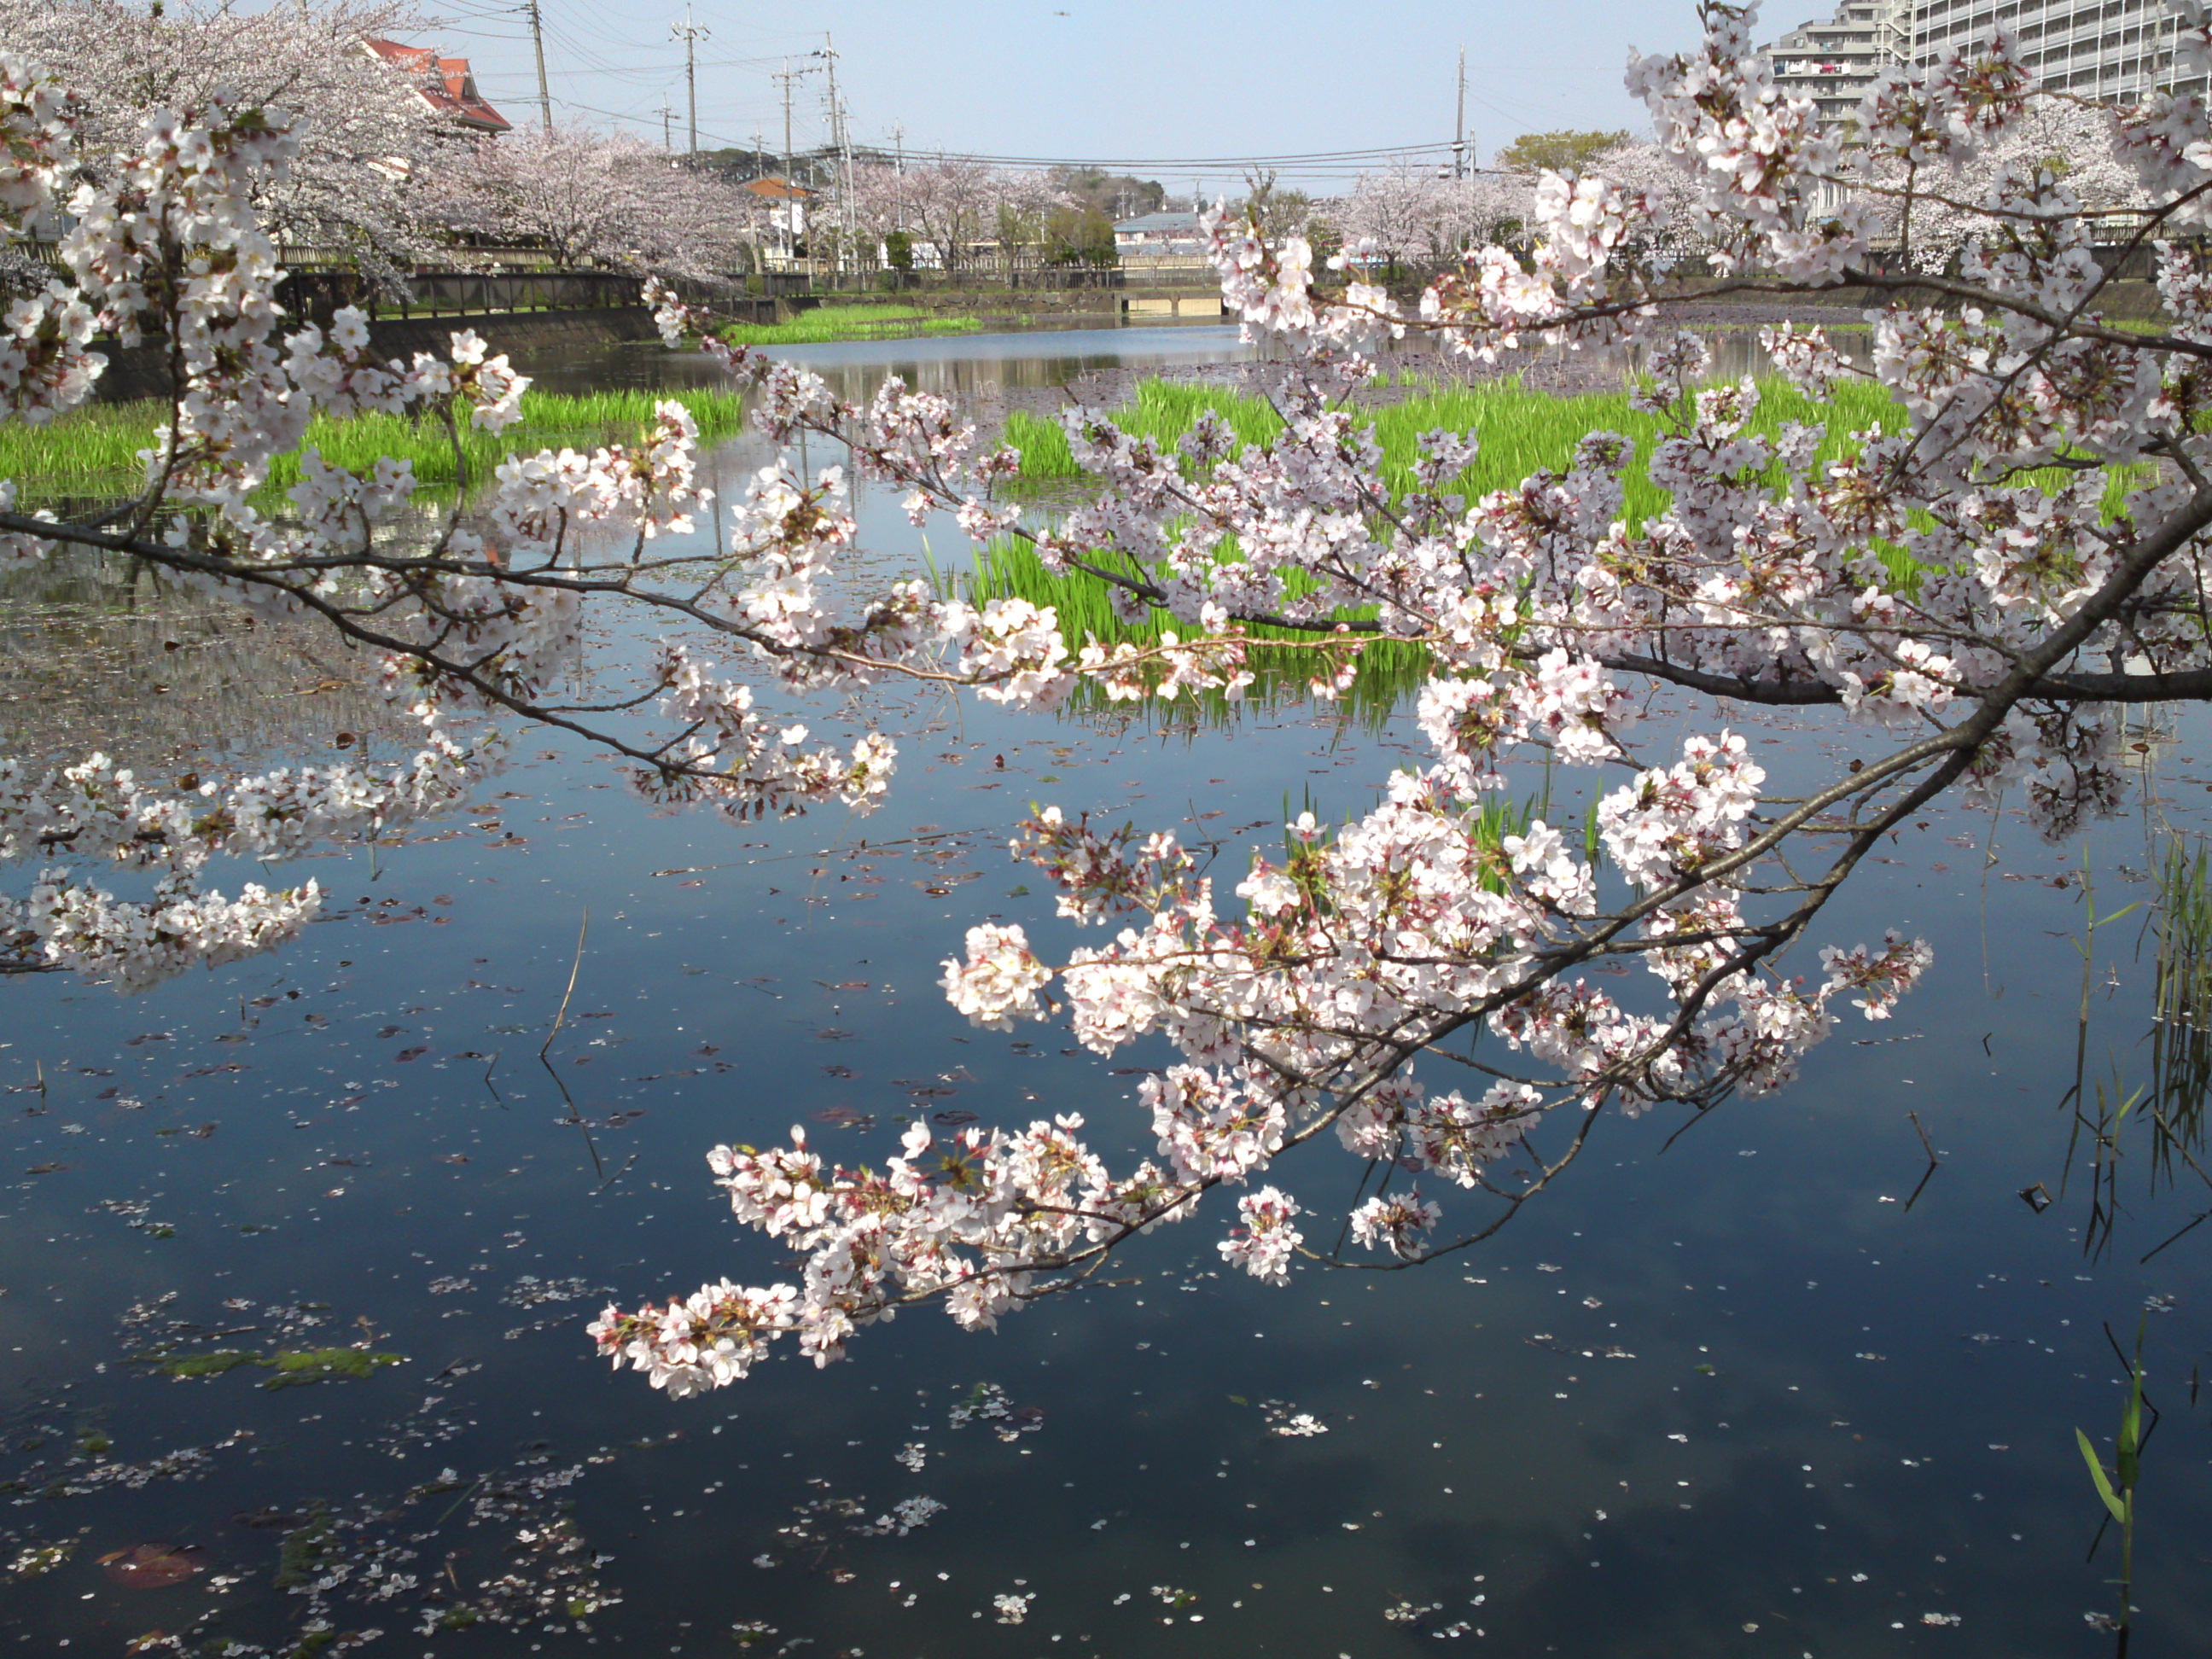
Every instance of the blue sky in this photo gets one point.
(1054, 79)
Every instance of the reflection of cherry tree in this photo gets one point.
(367, 142)
(1985, 632)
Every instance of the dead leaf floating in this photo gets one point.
(154, 1566)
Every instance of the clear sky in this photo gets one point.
(1162, 80)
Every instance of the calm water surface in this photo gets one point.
(1732, 1396)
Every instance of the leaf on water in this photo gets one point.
(154, 1567)
(954, 1119)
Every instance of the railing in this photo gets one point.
(317, 294)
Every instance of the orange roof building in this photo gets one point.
(446, 84)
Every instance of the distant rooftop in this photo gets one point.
(1154, 224)
(446, 84)
(779, 189)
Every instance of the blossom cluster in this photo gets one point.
(1979, 623)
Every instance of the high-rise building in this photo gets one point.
(2115, 50)
(1832, 63)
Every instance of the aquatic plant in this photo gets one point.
(848, 322)
(2115, 1489)
(2181, 1025)
(99, 445)
(1302, 997)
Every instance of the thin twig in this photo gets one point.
(575, 969)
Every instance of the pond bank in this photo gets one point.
(142, 371)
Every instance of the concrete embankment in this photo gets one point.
(142, 371)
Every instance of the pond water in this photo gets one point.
(1758, 1390)
(948, 363)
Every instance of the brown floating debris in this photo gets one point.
(154, 1566)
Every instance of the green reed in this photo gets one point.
(2116, 1488)
(2181, 1028)
(1388, 671)
(1522, 431)
(99, 445)
(826, 323)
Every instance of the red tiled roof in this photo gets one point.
(779, 189)
(446, 84)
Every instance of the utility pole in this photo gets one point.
(898, 172)
(787, 76)
(665, 115)
(690, 34)
(842, 140)
(538, 45)
(1459, 123)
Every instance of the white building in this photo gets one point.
(2113, 50)
(1832, 63)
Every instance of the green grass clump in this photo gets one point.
(1522, 431)
(825, 323)
(214, 1364)
(292, 1367)
(98, 445)
(1162, 411)
(1388, 670)
(297, 1368)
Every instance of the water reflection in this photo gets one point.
(99, 651)
(1732, 1395)
(980, 364)
(952, 364)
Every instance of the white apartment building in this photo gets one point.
(1831, 62)
(2113, 50)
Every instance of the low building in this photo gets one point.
(446, 85)
(786, 204)
(1155, 233)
